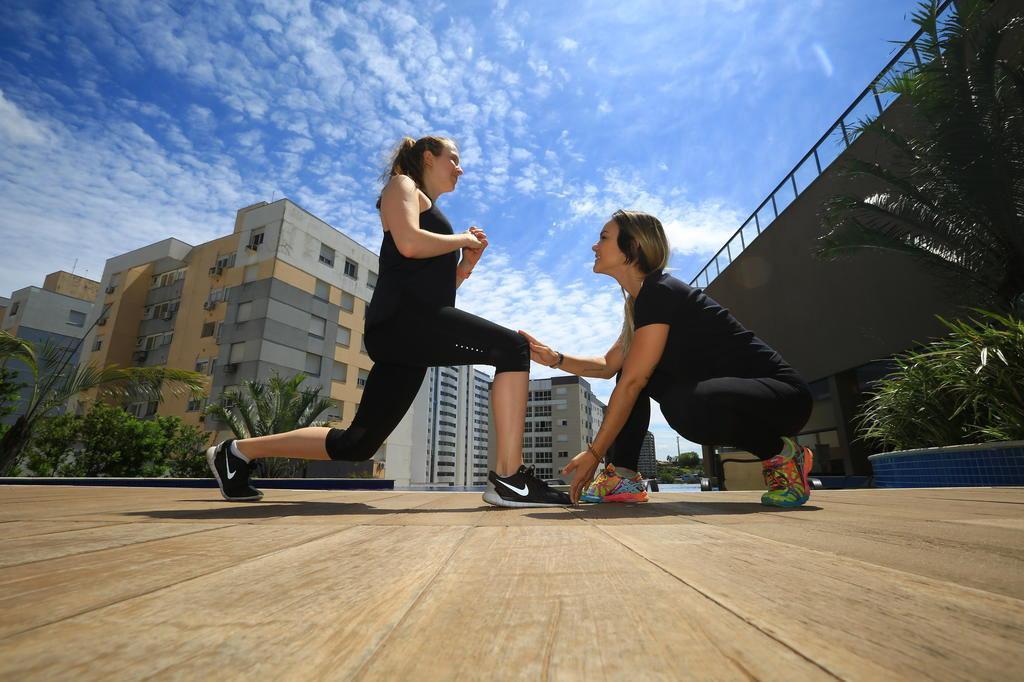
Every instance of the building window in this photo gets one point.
(348, 302)
(97, 344)
(244, 311)
(313, 364)
(250, 273)
(565, 422)
(543, 472)
(340, 372)
(201, 366)
(361, 380)
(351, 268)
(362, 345)
(76, 318)
(151, 408)
(563, 453)
(317, 327)
(327, 255)
(322, 290)
(237, 353)
(371, 279)
(255, 240)
(194, 405)
(344, 336)
(15, 307)
(543, 457)
(207, 329)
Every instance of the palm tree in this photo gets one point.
(277, 406)
(55, 381)
(953, 196)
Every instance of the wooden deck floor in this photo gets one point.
(114, 583)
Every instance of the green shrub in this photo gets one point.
(967, 387)
(110, 442)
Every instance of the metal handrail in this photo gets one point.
(755, 220)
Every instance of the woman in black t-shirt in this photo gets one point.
(716, 382)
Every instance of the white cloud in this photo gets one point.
(692, 228)
(823, 59)
(567, 44)
(17, 128)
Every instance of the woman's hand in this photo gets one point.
(475, 240)
(583, 466)
(540, 353)
(471, 254)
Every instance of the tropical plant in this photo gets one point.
(107, 441)
(277, 406)
(55, 380)
(952, 194)
(967, 387)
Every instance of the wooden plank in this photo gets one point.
(314, 611)
(565, 602)
(859, 621)
(51, 546)
(22, 529)
(36, 594)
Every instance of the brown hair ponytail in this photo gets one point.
(642, 241)
(407, 159)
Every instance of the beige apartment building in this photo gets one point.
(283, 292)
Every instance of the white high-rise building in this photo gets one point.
(448, 431)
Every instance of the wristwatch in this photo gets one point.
(561, 359)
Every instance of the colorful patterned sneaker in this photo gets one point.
(609, 486)
(605, 482)
(786, 475)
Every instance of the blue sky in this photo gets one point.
(123, 123)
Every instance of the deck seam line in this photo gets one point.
(178, 582)
(718, 603)
(104, 549)
(66, 530)
(361, 672)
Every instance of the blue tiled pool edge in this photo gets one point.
(984, 464)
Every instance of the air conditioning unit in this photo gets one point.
(167, 316)
(231, 368)
(252, 247)
(110, 289)
(140, 355)
(202, 418)
(209, 305)
(102, 322)
(216, 270)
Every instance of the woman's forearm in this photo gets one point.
(620, 405)
(425, 244)
(595, 368)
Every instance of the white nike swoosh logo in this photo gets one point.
(227, 465)
(524, 492)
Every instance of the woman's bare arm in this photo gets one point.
(400, 213)
(596, 367)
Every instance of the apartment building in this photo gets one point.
(449, 429)
(648, 464)
(284, 292)
(563, 417)
(55, 314)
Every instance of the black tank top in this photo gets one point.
(424, 281)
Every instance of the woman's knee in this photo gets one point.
(512, 354)
(351, 445)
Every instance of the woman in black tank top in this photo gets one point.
(412, 324)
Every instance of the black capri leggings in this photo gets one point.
(402, 350)
(748, 413)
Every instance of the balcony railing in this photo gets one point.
(824, 152)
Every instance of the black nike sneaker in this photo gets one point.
(524, 489)
(232, 473)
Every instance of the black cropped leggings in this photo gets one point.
(750, 414)
(402, 349)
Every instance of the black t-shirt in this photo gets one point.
(704, 339)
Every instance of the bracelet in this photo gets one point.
(591, 451)
(558, 363)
